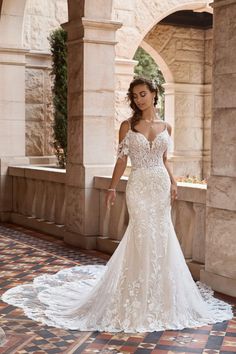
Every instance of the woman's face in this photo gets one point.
(143, 97)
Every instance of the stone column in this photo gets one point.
(12, 120)
(124, 73)
(207, 104)
(220, 266)
(184, 111)
(206, 153)
(91, 63)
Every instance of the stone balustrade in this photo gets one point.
(39, 202)
(39, 198)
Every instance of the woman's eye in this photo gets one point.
(143, 94)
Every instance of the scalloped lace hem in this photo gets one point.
(49, 300)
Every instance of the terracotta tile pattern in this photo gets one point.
(25, 254)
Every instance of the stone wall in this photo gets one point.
(39, 109)
(40, 19)
(182, 49)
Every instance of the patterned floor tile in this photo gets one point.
(25, 254)
(146, 345)
(229, 343)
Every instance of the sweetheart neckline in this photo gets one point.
(150, 141)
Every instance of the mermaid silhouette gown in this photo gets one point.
(146, 285)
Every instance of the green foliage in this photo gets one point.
(148, 68)
(58, 48)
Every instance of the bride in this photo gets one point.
(146, 285)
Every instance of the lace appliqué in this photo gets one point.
(170, 146)
(123, 147)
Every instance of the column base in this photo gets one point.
(81, 241)
(106, 244)
(40, 225)
(219, 283)
(5, 216)
(47, 227)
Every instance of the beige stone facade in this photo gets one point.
(184, 56)
(184, 52)
(220, 267)
(39, 108)
(41, 17)
(167, 44)
(102, 40)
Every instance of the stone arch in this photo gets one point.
(166, 71)
(13, 11)
(139, 18)
(145, 15)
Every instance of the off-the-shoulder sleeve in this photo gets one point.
(123, 148)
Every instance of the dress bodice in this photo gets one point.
(142, 152)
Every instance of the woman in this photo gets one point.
(146, 284)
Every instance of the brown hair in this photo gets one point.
(137, 113)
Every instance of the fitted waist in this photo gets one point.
(152, 167)
(149, 178)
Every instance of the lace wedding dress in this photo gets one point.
(146, 285)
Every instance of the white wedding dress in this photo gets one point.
(146, 285)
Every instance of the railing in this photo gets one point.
(39, 198)
(39, 202)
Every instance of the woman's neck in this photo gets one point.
(149, 114)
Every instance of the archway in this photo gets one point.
(145, 15)
(185, 88)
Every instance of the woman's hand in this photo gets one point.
(173, 191)
(110, 198)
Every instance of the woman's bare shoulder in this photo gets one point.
(124, 128)
(125, 125)
(169, 128)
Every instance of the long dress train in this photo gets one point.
(146, 285)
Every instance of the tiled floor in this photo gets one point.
(25, 254)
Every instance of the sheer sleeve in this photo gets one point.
(123, 148)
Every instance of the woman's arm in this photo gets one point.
(173, 182)
(119, 168)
